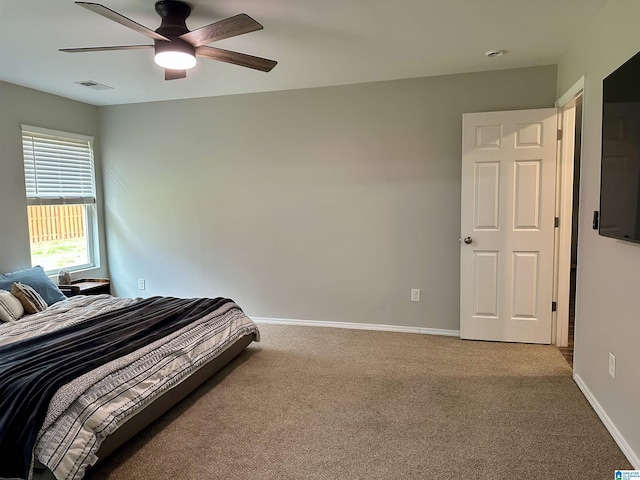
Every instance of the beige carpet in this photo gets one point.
(321, 403)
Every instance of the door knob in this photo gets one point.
(468, 240)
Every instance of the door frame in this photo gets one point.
(564, 210)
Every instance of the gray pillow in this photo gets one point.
(36, 279)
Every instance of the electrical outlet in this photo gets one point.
(142, 284)
(415, 294)
(612, 365)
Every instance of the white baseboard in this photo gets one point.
(615, 433)
(358, 326)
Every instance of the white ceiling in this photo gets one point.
(316, 43)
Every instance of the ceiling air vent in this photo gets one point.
(94, 85)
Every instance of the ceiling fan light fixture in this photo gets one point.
(175, 60)
(175, 46)
(175, 55)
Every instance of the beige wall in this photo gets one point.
(608, 303)
(20, 105)
(318, 204)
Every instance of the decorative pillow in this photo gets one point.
(36, 279)
(10, 307)
(29, 298)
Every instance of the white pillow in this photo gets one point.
(11, 308)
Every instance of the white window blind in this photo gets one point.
(58, 167)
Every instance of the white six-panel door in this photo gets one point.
(507, 226)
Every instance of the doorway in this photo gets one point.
(568, 209)
(484, 278)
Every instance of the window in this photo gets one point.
(61, 198)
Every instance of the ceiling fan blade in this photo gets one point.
(174, 74)
(104, 49)
(229, 27)
(121, 19)
(236, 58)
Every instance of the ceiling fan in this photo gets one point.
(176, 47)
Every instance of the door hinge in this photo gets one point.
(554, 306)
(559, 134)
(556, 222)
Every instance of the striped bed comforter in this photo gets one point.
(85, 410)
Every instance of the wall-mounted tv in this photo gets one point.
(620, 167)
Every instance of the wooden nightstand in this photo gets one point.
(87, 286)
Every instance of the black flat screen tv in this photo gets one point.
(620, 167)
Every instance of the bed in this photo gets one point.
(149, 354)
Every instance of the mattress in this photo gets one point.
(113, 401)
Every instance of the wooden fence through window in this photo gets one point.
(55, 222)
